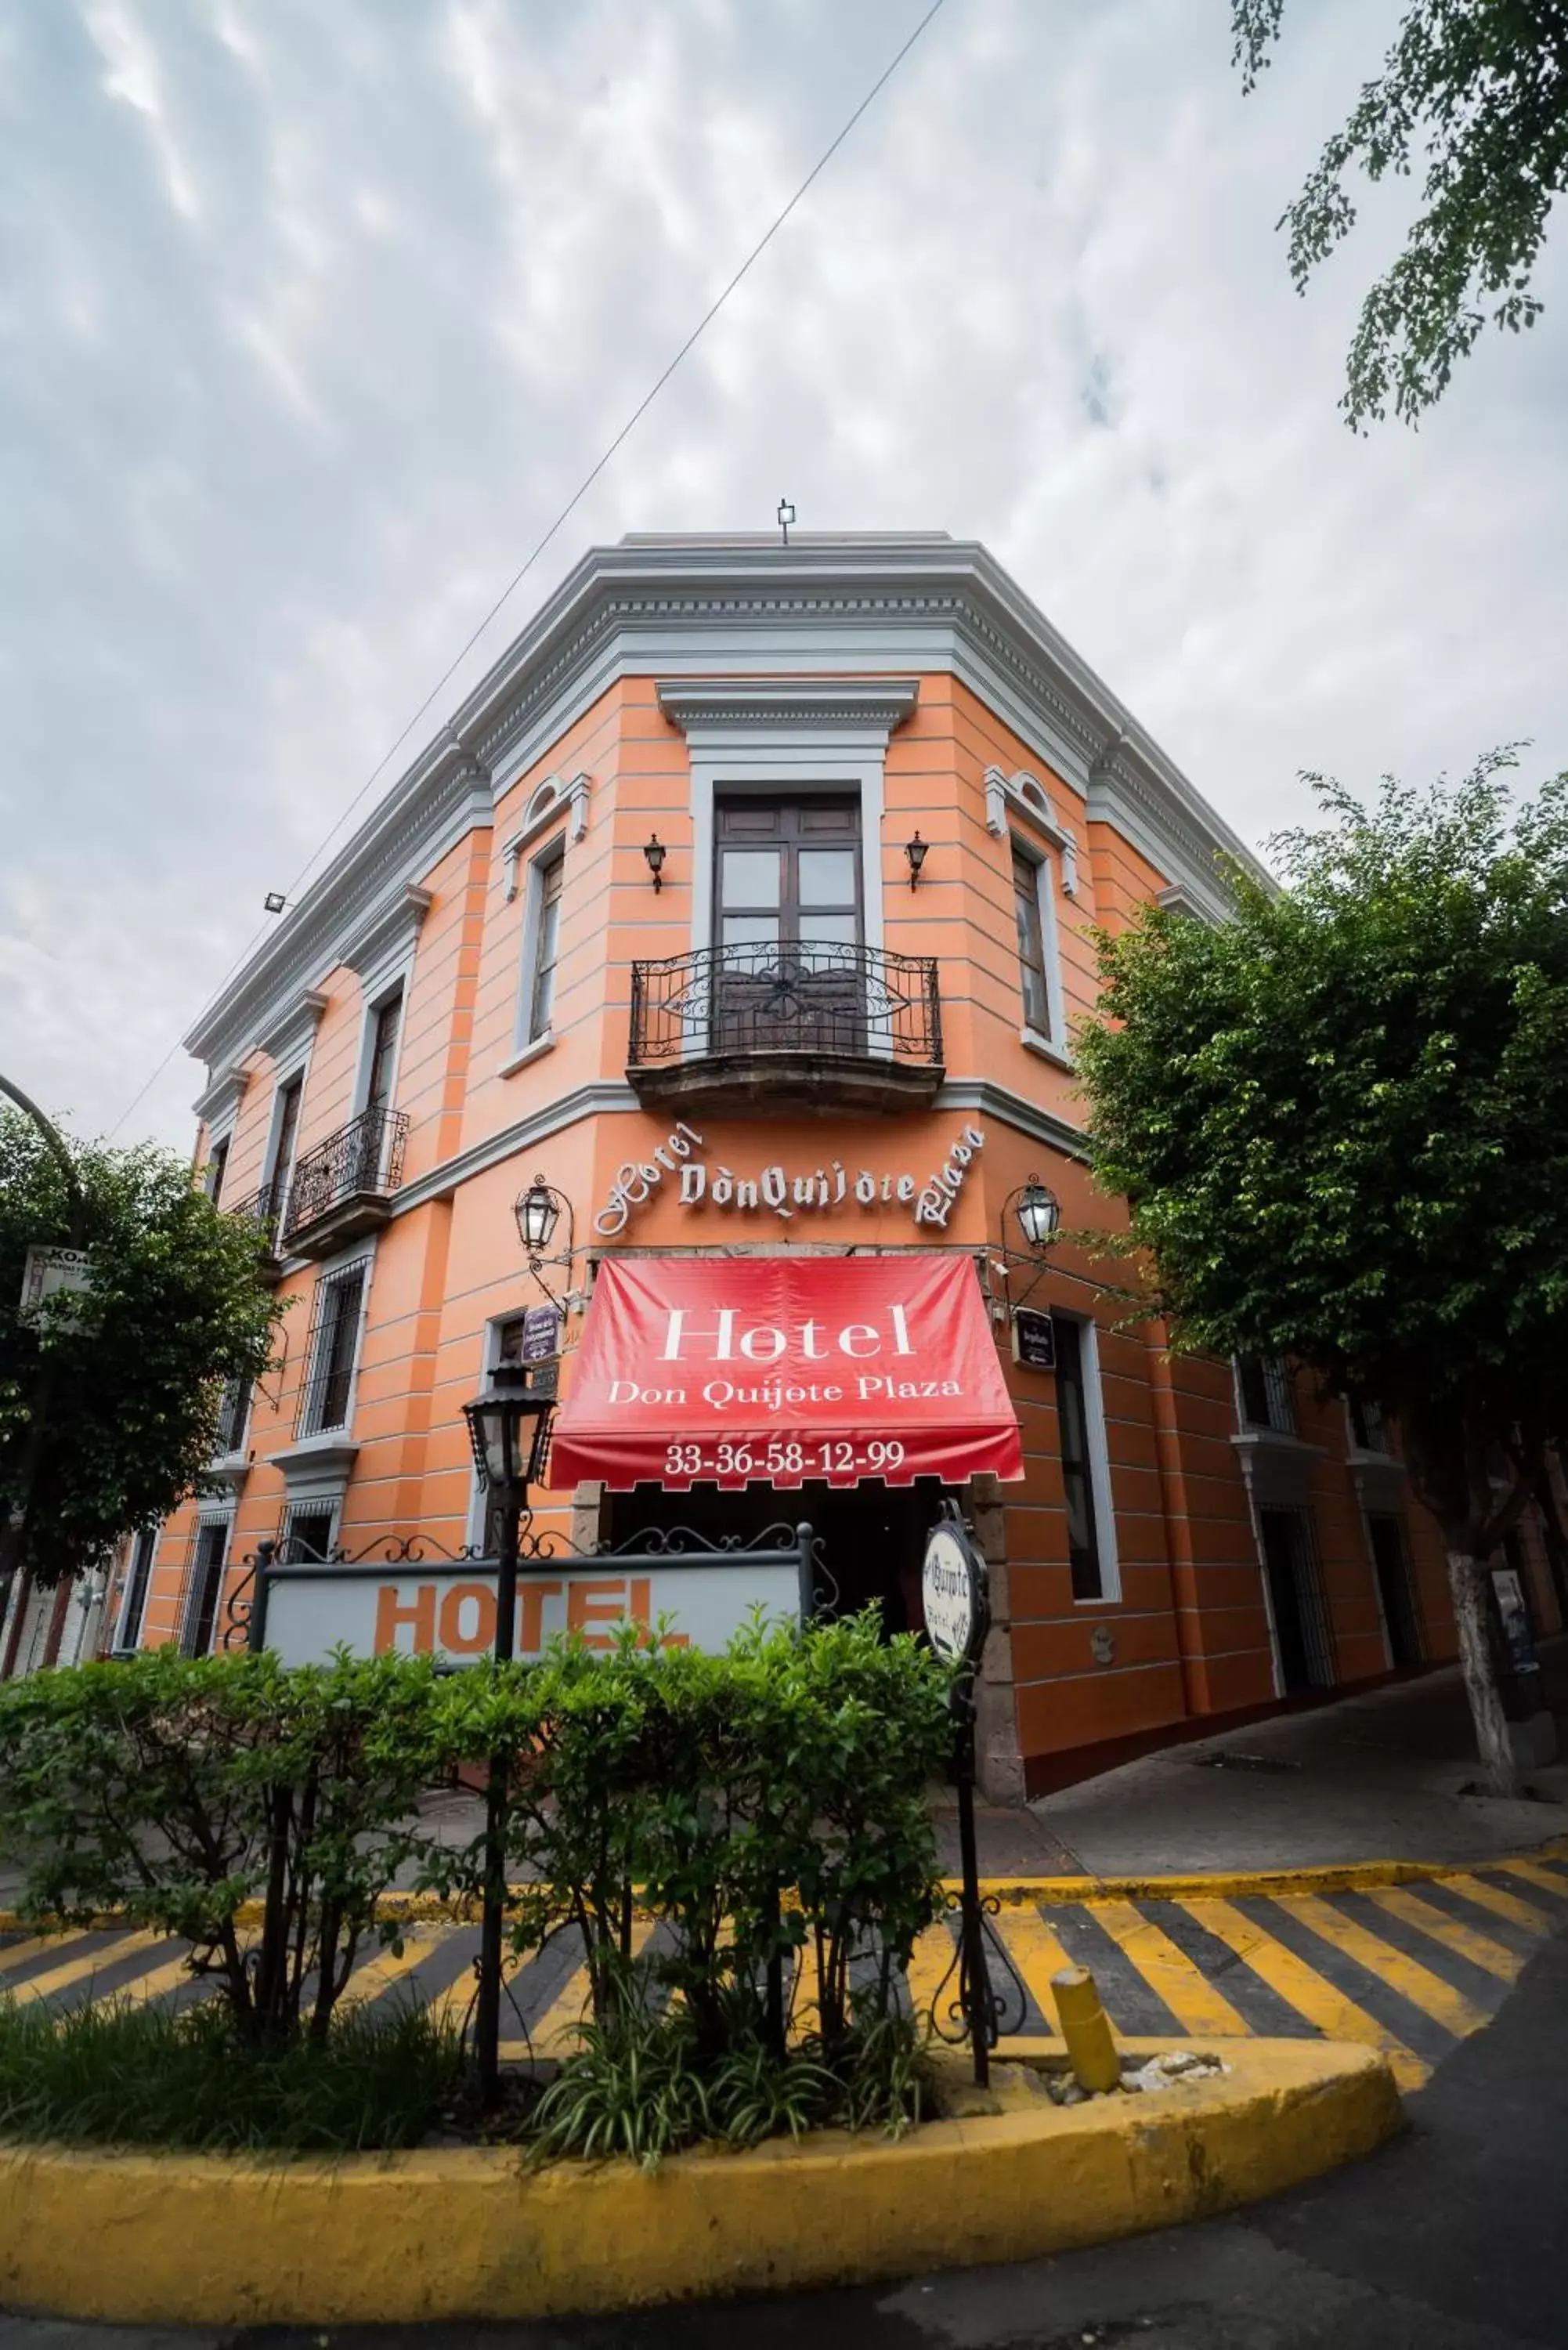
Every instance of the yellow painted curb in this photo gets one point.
(1331, 1876)
(394, 2239)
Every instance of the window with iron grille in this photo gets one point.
(1265, 1386)
(332, 1350)
(138, 1581)
(1300, 1607)
(233, 1414)
(307, 1537)
(1367, 1428)
(203, 1586)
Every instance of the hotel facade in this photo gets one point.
(746, 906)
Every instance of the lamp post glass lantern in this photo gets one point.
(1039, 1213)
(538, 1212)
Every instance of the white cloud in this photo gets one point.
(318, 315)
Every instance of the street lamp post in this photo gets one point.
(13, 1529)
(508, 1426)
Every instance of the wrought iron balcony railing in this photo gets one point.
(362, 1161)
(817, 1002)
(263, 1209)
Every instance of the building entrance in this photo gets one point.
(872, 1536)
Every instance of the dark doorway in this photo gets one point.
(1300, 1623)
(1391, 1559)
(872, 1536)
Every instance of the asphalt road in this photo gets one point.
(1451, 2239)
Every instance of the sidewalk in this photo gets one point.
(1376, 1777)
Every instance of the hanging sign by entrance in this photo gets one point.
(726, 1370)
(953, 1593)
(1033, 1339)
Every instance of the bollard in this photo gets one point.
(1091, 2051)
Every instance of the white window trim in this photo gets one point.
(240, 1451)
(373, 1006)
(526, 1047)
(339, 1270)
(224, 1518)
(781, 736)
(293, 1061)
(1052, 1047)
(119, 1645)
(1110, 1592)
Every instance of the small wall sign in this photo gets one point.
(541, 1333)
(953, 1592)
(1033, 1339)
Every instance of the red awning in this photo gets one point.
(722, 1369)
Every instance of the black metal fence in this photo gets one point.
(365, 1155)
(852, 1003)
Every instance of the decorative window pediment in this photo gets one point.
(545, 801)
(1022, 794)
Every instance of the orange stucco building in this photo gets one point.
(492, 982)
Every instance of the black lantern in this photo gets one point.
(656, 853)
(915, 850)
(508, 1427)
(538, 1212)
(1039, 1213)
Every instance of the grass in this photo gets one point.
(138, 2076)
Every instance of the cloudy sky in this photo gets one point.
(311, 317)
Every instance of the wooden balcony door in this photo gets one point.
(789, 925)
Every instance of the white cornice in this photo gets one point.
(850, 705)
(288, 1038)
(217, 1106)
(838, 607)
(444, 795)
(387, 940)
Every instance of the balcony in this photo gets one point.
(761, 1027)
(264, 1209)
(344, 1186)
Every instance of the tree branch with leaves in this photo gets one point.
(1480, 87)
(1341, 1123)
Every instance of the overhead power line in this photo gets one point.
(537, 549)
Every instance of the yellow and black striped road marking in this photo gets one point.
(1410, 1969)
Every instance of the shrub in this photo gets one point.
(135, 2075)
(767, 1804)
(176, 1789)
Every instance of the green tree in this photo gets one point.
(1482, 86)
(132, 1383)
(1341, 1122)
